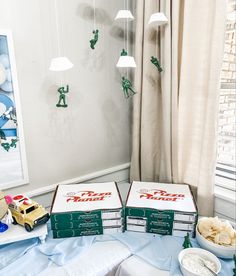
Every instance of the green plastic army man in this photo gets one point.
(6, 146)
(187, 243)
(13, 143)
(62, 97)
(156, 63)
(127, 87)
(124, 53)
(94, 40)
(2, 135)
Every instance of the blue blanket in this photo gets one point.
(29, 257)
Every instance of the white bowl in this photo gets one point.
(204, 253)
(226, 252)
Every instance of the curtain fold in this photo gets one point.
(175, 112)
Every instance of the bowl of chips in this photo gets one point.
(217, 236)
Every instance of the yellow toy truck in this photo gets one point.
(27, 212)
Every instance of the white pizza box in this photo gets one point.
(160, 196)
(86, 197)
(113, 230)
(142, 229)
(67, 233)
(184, 226)
(86, 224)
(136, 228)
(112, 222)
(177, 225)
(85, 206)
(136, 220)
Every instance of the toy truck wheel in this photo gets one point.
(14, 221)
(28, 228)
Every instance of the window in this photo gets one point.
(226, 154)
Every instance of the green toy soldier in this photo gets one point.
(156, 63)
(124, 53)
(126, 86)
(187, 243)
(234, 270)
(94, 40)
(13, 143)
(62, 96)
(6, 146)
(2, 135)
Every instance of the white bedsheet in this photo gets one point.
(134, 266)
(103, 258)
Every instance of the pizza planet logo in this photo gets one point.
(83, 196)
(159, 195)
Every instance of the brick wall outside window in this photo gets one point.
(226, 152)
(227, 109)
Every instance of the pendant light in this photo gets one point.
(126, 61)
(59, 63)
(124, 14)
(158, 19)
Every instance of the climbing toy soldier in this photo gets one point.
(187, 243)
(127, 87)
(94, 40)
(6, 146)
(123, 53)
(156, 63)
(62, 97)
(13, 143)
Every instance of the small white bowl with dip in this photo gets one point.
(192, 262)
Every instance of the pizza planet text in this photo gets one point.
(161, 195)
(83, 196)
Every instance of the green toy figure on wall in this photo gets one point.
(127, 87)
(2, 135)
(187, 243)
(13, 143)
(156, 63)
(123, 53)
(94, 40)
(6, 146)
(62, 97)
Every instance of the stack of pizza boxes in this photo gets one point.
(167, 209)
(86, 209)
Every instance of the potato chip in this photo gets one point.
(217, 231)
(233, 242)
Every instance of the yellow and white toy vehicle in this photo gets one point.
(27, 212)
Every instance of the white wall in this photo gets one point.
(93, 133)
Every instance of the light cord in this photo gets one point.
(57, 29)
(94, 15)
(58, 37)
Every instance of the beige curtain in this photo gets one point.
(175, 112)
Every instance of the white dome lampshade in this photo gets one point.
(60, 64)
(158, 18)
(124, 14)
(126, 61)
